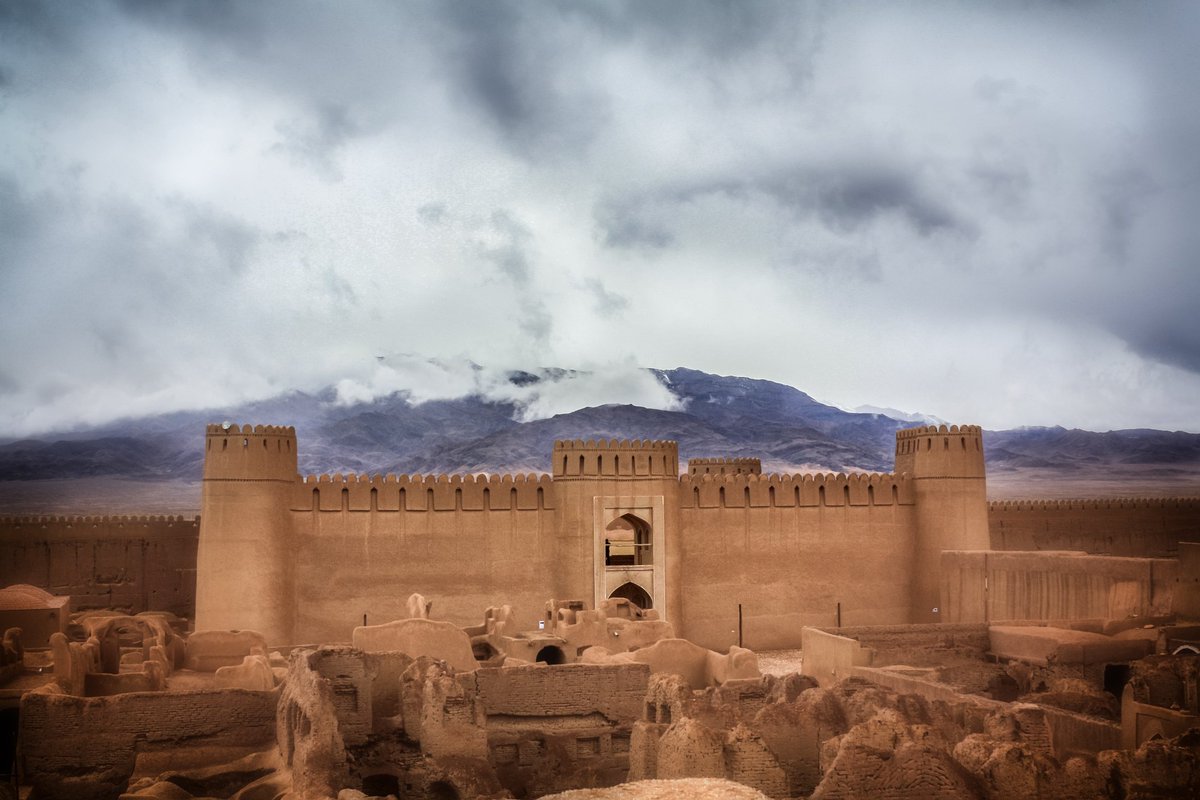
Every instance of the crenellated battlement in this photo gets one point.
(790, 491)
(620, 459)
(940, 451)
(735, 466)
(615, 444)
(213, 429)
(114, 519)
(928, 430)
(1095, 504)
(249, 453)
(460, 492)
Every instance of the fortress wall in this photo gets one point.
(789, 491)
(790, 564)
(983, 586)
(134, 563)
(465, 543)
(423, 492)
(1147, 527)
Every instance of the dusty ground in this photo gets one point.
(779, 662)
(99, 496)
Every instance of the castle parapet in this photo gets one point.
(793, 491)
(613, 458)
(244, 452)
(940, 451)
(459, 492)
(724, 466)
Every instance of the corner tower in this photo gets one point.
(617, 504)
(946, 464)
(243, 564)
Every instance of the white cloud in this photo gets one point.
(978, 212)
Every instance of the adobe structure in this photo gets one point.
(722, 552)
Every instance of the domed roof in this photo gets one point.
(22, 596)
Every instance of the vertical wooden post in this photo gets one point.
(739, 624)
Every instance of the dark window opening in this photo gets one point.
(381, 785)
(628, 542)
(550, 654)
(1115, 678)
(483, 651)
(441, 790)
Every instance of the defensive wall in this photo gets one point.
(130, 563)
(1014, 585)
(728, 556)
(1125, 526)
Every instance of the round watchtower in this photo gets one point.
(949, 484)
(243, 562)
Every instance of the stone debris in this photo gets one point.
(691, 788)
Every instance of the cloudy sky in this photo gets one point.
(985, 212)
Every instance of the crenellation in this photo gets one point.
(704, 490)
(1093, 504)
(420, 493)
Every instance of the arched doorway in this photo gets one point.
(627, 542)
(550, 654)
(635, 594)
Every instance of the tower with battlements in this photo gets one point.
(616, 508)
(949, 486)
(244, 563)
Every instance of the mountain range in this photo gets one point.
(715, 416)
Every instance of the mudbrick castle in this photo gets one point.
(598, 623)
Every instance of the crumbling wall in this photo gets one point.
(555, 728)
(78, 748)
(135, 564)
(615, 691)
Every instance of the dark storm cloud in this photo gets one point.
(432, 213)
(843, 198)
(622, 223)
(607, 303)
(223, 23)
(506, 245)
(317, 138)
(531, 86)
(233, 241)
(850, 196)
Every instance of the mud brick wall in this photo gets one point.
(132, 563)
(1148, 527)
(616, 691)
(84, 748)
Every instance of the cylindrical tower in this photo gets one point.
(946, 464)
(617, 504)
(243, 564)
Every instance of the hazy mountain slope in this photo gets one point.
(719, 416)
